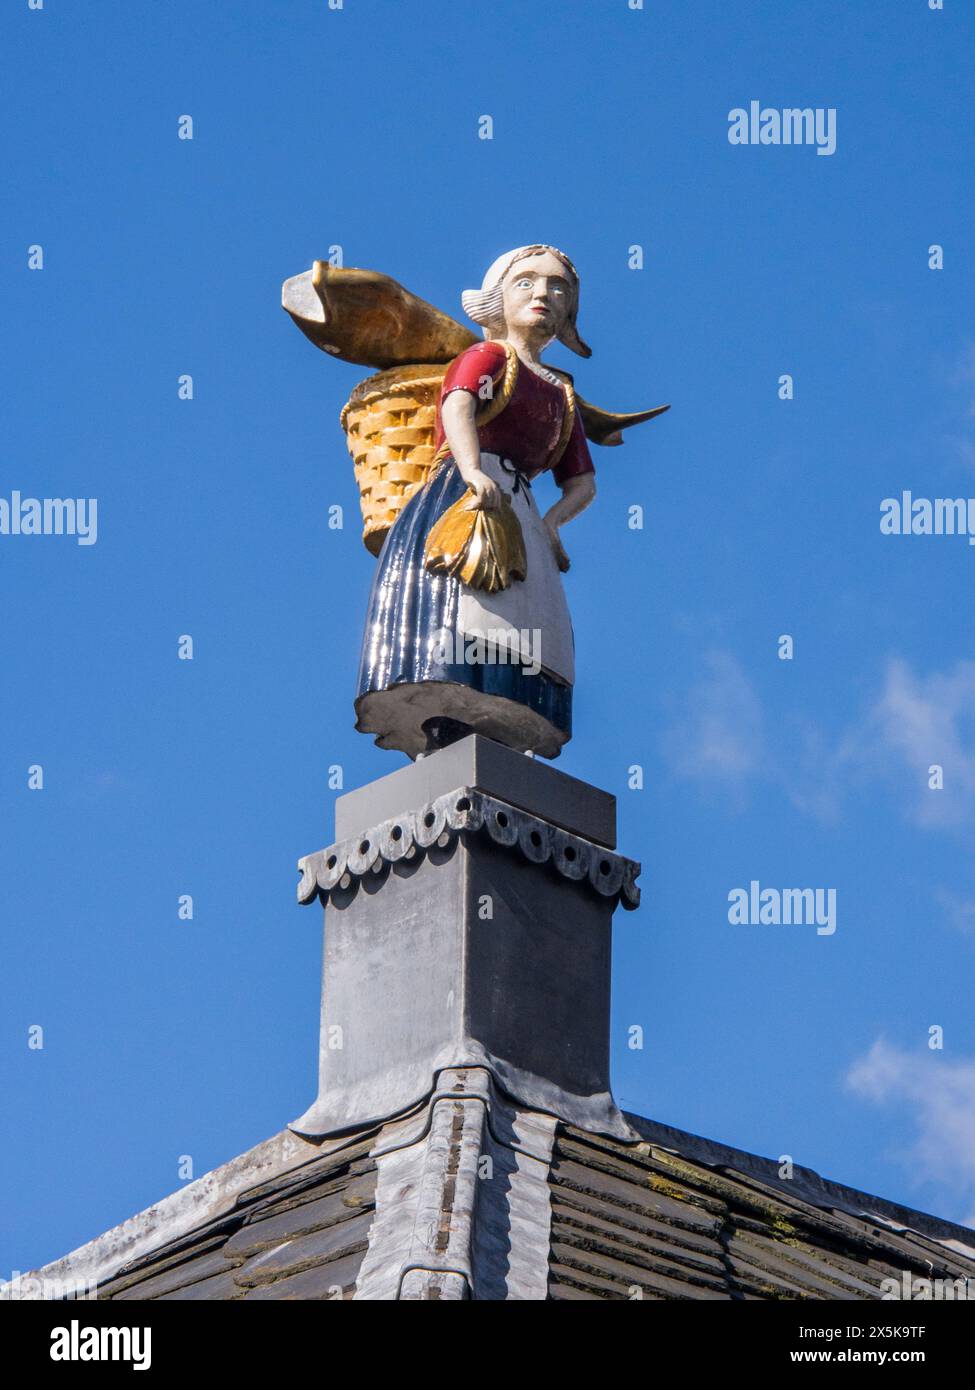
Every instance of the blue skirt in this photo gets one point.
(413, 668)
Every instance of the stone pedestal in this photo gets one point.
(468, 917)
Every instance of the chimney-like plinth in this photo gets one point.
(468, 916)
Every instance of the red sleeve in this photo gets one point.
(576, 459)
(468, 371)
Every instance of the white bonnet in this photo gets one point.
(484, 306)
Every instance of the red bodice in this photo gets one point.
(528, 429)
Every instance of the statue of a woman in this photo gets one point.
(441, 658)
(467, 627)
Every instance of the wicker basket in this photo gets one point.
(389, 421)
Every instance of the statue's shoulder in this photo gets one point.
(487, 353)
(468, 368)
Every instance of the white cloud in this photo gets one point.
(914, 723)
(919, 721)
(720, 735)
(939, 1094)
(821, 771)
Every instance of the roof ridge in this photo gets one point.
(850, 1199)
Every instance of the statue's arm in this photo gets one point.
(577, 493)
(460, 431)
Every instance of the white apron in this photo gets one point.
(530, 617)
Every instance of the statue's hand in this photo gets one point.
(558, 550)
(488, 497)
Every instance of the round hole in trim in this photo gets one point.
(396, 833)
(464, 804)
(331, 861)
(535, 838)
(604, 866)
(501, 819)
(364, 847)
(570, 853)
(428, 819)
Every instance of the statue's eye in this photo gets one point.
(523, 284)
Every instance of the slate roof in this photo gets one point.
(663, 1221)
(300, 1236)
(472, 1195)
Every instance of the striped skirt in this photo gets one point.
(433, 649)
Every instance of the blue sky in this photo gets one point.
(358, 127)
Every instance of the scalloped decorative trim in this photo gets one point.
(467, 811)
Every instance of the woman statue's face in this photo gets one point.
(537, 296)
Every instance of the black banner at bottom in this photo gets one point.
(167, 1336)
